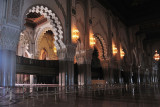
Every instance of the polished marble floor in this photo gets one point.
(81, 96)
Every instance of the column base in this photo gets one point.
(66, 73)
(84, 74)
(7, 68)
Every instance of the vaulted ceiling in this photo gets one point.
(144, 13)
(134, 12)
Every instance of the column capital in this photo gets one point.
(67, 53)
(80, 57)
(84, 56)
(9, 37)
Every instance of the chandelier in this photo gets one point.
(156, 56)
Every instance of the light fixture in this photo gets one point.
(55, 50)
(156, 56)
(92, 40)
(75, 35)
(122, 53)
(115, 50)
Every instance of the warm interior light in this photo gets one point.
(92, 40)
(115, 50)
(122, 53)
(75, 35)
(156, 56)
(55, 50)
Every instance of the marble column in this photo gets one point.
(66, 65)
(8, 45)
(131, 74)
(105, 71)
(10, 27)
(7, 67)
(66, 73)
(111, 72)
(82, 74)
(88, 70)
(31, 79)
(18, 78)
(84, 67)
(138, 79)
(22, 79)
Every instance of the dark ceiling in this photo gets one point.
(134, 12)
(144, 13)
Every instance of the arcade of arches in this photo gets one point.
(91, 44)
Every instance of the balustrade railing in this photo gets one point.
(33, 62)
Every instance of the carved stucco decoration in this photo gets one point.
(24, 44)
(80, 57)
(54, 21)
(15, 8)
(68, 53)
(39, 37)
(9, 38)
(102, 48)
(14, 12)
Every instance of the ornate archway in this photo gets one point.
(54, 22)
(102, 48)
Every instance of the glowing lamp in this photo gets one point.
(55, 50)
(156, 56)
(115, 50)
(75, 35)
(122, 53)
(92, 41)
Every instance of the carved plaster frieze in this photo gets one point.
(15, 7)
(84, 56)
(67, 53)
(9, 38)
(14, 12)
(54, 22)
(80, 57)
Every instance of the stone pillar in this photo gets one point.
(105, 71)
(8, 44)
(10, 25)
(111, 73)
(138, 79)
(84, 74)
(131, 74)
(81, 74)
(31, 79)
(84, 67)
(66, 65)
(22, 79)
(7, 67)
(18, 78)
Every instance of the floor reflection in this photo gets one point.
(81, 96)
